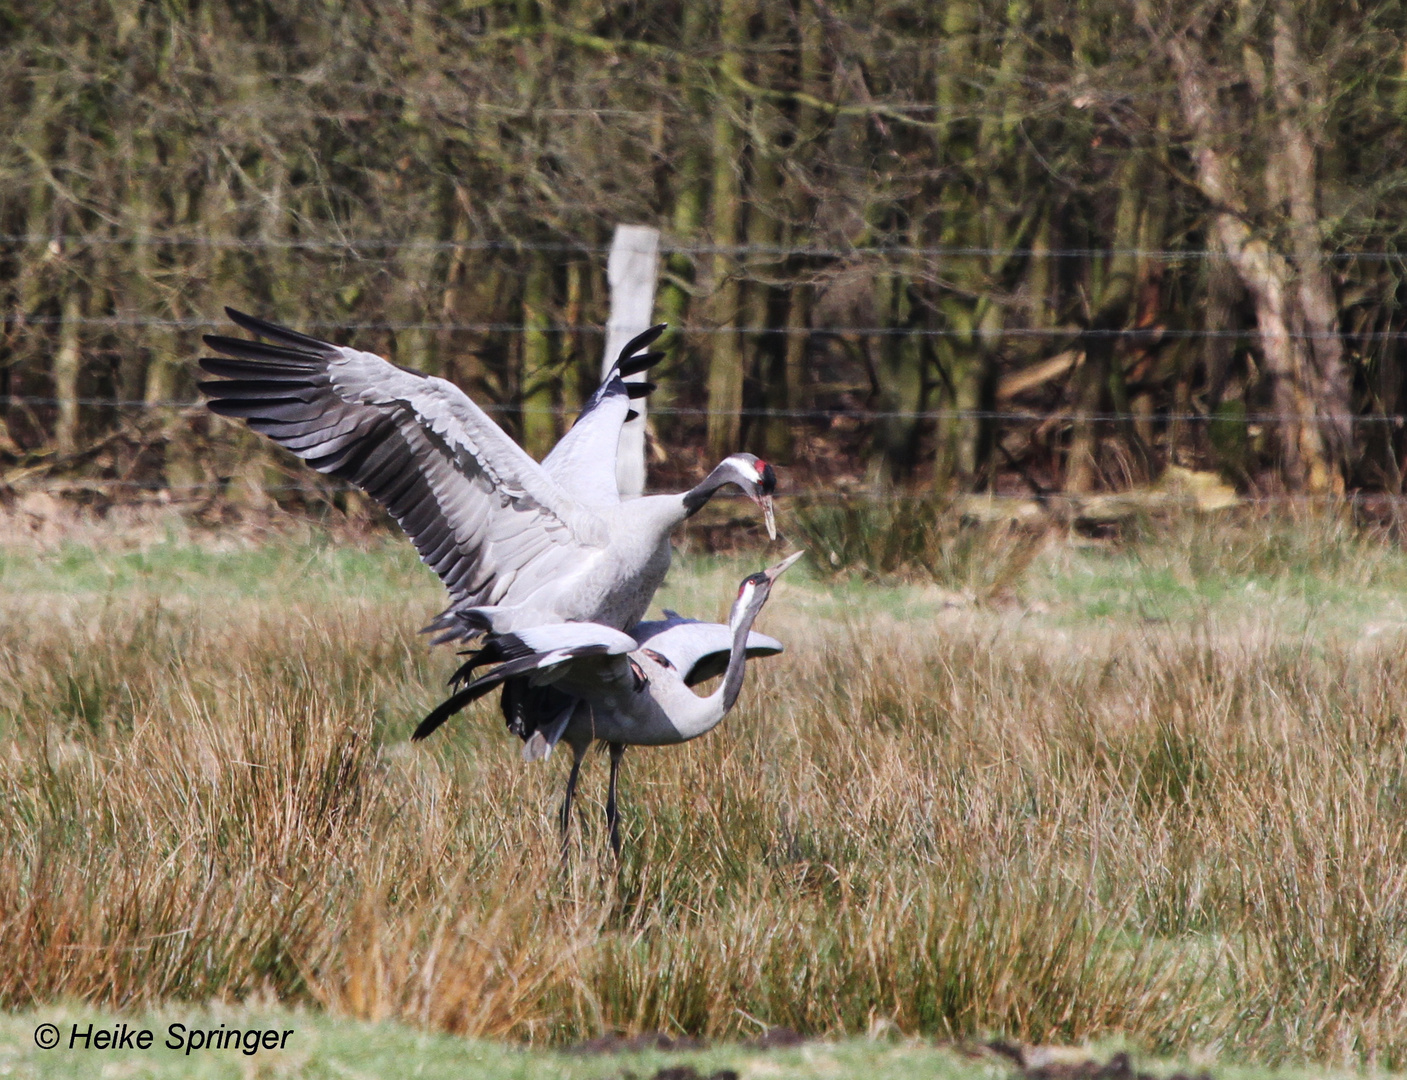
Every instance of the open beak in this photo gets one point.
(768, 517)
(774, 572)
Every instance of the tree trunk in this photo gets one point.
(901, 367)
(689, 191)
(1294, 312)
(725, 368)
(536, 383)
(577, 358)
(1111, 289)
(67, 361)
(765, 202)
(159, 301)
(1319, 349)
(792, 395)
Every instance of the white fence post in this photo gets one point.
(633, 272)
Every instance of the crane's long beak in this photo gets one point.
(768, 517)
(774, 572)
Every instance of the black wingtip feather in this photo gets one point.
(301, 371)
(631, 415)
(275, 332)
(263, 351)
(633, 365)
(635, 390)
(639, 341)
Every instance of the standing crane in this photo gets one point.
(595, 682)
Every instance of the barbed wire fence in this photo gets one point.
(1134, 334)
(850, 492)
(362, 244)
(821, 414)
(365, 248)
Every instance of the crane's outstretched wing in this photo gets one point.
(527, 651)
(481, 513)
(584, 460)
(697, 650)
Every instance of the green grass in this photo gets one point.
(324, 1047)
(1321, 574)
(1318, 576)
(1182, 566)
(310, 566)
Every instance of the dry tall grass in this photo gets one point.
(1193, 836)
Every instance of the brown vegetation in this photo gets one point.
(1186, 832)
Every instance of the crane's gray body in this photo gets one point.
(652, 703)
(633, 699)
(610, 583)
(630, 689)
(545, 559)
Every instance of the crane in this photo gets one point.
(536, 543)
(594, 682)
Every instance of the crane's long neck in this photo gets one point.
(706, 713)
(697, 496)
(732, 684)
(657, 515)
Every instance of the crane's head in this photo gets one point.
(755, 588)
(757, 480)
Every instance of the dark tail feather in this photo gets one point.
(451, 705)
(481, 686)
(465, 671)
(447, 708)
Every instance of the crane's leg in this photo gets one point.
(612, 814)
(578, 752)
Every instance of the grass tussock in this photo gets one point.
(1181, 835)
(912, 538)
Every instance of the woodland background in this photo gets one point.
(1035, 246)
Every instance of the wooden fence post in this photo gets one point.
(633, 272)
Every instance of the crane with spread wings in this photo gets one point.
(537, 543)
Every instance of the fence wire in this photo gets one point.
(666, 247)
(870, 495)
(1027, 416)
(1149, 335)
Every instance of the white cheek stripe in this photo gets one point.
(744, 597)
(745, 467)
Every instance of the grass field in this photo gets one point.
(1153, 792)
(326, 1046)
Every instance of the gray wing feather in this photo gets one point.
(583, 461)
(698, 650)
(481, 513)
(558, 637)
